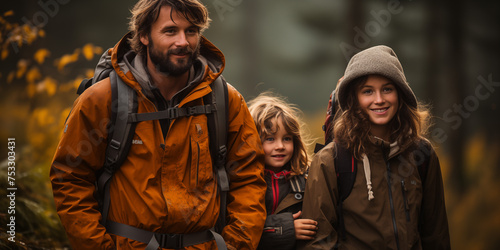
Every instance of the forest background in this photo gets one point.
(449, 49)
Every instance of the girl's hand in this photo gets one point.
(305, 229)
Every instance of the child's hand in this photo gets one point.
(305, 229)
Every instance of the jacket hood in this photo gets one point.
(131, 66)
(378, 60)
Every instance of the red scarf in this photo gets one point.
(274, 183)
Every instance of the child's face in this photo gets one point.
(378, 98)
(278, 147)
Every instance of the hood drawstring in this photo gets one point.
(394, 149)
(366, 166)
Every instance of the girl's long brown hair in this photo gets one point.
(352, 125)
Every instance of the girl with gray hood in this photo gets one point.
(392, 203)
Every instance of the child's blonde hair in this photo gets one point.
(266, 107)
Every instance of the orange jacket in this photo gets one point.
(164, 185)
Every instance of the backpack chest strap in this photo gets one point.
(171, 113)
(156, 240)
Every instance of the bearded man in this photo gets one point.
(165, 193)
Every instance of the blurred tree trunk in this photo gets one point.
(249, 36)
(455, 63)
(433, 28)
(355, 20)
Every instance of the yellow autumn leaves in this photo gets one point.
(36, 83)
(31, 70)
(15, 35)
(88, 51)
(40, 55)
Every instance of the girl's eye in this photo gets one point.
(388, 89)
(269, 139)
(367, 91)
(288, 138)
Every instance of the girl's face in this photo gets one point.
(378, 99)
(278, 147)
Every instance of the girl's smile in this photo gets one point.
(278, 147)
(378, 98)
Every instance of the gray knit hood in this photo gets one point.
(378, 60)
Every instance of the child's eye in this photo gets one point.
(288, 138)
(269, 139)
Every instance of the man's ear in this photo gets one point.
(144, 40)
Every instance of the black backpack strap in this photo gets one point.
(218, 128)
(156, 240)
(346, 168)
(85, 84)
(422, 159)
(120, 134)
(318, 147)
(172, 113)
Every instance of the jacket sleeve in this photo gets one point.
(434, 230)
(320, 200)
(79, 154)
(246, 210)
(279, 232)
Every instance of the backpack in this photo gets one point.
(327, 126)
(346, 164)
(124, 118)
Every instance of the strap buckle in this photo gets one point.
(191, 111)
(115, 144)
(173, 241)
(173, 113)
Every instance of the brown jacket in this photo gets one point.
(166, 184)
(418, 218)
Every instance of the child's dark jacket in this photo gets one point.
(283, 198)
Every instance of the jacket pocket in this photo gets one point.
(278, 233)
(201, 164)
(405, 200)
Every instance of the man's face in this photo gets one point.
(173, 43)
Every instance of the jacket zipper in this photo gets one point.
(407, 207)
(197, 163)
(392, 205)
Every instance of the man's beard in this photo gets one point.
(164, 64)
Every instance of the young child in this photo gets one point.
(286, 163)
(393, 203)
